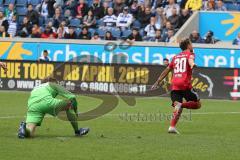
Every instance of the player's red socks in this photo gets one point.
(175, 117)
(191, 105)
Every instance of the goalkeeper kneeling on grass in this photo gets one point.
(43, 101)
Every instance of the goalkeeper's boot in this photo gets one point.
(173, 130)
(82, 131)
(22, 130)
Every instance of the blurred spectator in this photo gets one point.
(105, 8)
(174, 19)
(68, 15)
(209, 5)
(32, 15)
(96, 36)
(89, 20)
(118, 7)
(48, 33)
(97, 9)
(108, 36)
(195, 37)
(43, 9)
(3, 21)
(58, 3)
(70, 5)
(10, 12)
(169, 36)
(51, 9)
(62, 29)
(134, 8)
(166, 28)
(12, 28)
(146, 2)
(209, 38)
(50, 24)
(71, 33)
(158, 37)
(3, 32)
(141, 12)
(81, 9)
(36, 32)
(183, 17)
(128, 2)
(236, 41)
(44, 57)
(144, 17)
(193, 5)
(151, 29)
(110, 19)
(160, 17)
(25, 28)
(60, 33)
(124, 19)
(220, 6)
(134, 36)
(57, 18)
(165, 62)
(85, 34)
(46, 8)
(168, 8)
(159, 3)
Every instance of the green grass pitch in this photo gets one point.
(212, 132)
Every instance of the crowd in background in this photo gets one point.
(134, 20)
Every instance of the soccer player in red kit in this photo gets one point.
(181, 66)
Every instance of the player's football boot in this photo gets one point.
(82, 131)
(173, 130)
(22, 130)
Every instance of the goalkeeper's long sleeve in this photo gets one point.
(61, 91)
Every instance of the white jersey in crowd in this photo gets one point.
(124, 20)
(168, 9)
(12, 29)
(151, 30)
(110, 20)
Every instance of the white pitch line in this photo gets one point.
(116, 115)
(10, 117)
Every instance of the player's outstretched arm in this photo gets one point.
(161, 77)
(4, 66)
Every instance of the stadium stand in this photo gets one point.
(126, 15)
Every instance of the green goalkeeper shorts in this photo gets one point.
(37, 111)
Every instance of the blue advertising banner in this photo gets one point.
(19, 50)
(60, 52)
(225, 25)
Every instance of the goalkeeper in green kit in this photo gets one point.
(43, 101)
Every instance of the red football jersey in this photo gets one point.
(182, 72)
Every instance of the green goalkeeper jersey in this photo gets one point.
(48, 90)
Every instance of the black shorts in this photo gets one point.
(188, 95)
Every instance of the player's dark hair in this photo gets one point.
(49, 79)
(184, 43)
